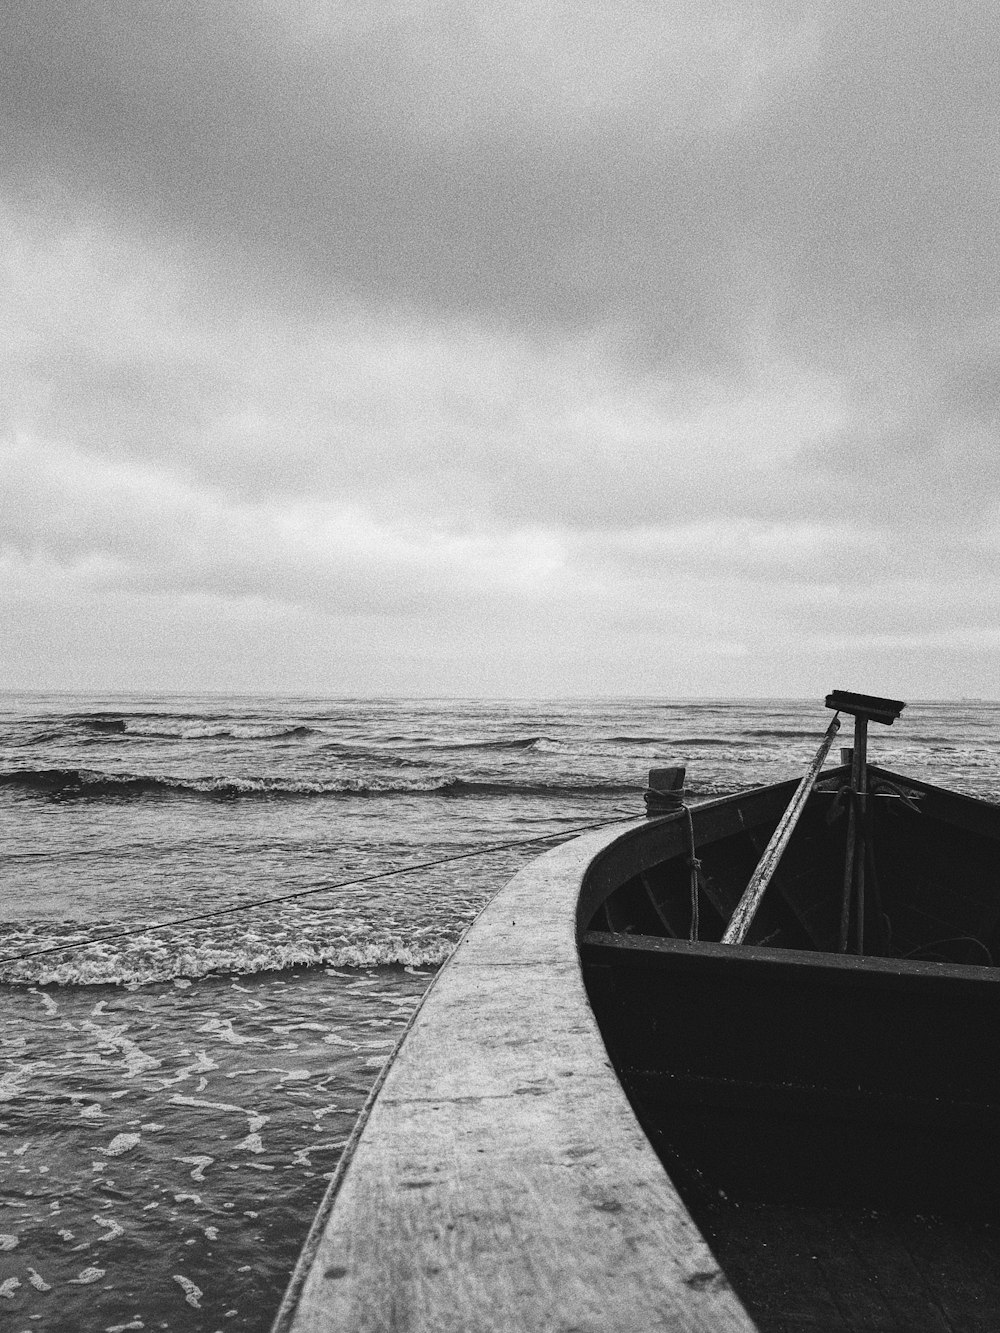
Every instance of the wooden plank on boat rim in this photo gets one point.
(500, 1180)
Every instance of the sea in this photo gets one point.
(217, 915)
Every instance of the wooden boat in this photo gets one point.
(598, 1122)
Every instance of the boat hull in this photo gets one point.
(831, 1121)
(811, 1079)
(827, 1123)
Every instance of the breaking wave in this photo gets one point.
(85, 783)
(208, 731)
(106, 728)
(518, 743)
(145, 959)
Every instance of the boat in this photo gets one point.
(731, 1065)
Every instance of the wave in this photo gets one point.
(102, 717)
(635, 740)
(769, 733)
(466, 786)
(385, 758)
(713, 742)
(100, 727)
(520, 743)
(83, 783)
(144, 959)
(105, 725)
(246, 731)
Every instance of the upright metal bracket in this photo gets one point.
(863, 708)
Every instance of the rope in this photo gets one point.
(303, 893)
(951, 939)
(695, 866)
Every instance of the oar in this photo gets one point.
(747, 906)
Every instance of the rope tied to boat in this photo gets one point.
(144, 929)
(666, 795)
(694, 864)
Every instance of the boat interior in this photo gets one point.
(825, 1094)
(932, 859)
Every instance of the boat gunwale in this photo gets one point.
(666, 838)
(625, 1250)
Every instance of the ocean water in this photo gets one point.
(173, 1101)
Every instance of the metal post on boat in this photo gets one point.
(863, 708)
(859, 784)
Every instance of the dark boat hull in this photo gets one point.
(807, 1078)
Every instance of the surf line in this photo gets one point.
(304, 893)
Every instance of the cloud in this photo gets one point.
(550, 171)
(665, 320)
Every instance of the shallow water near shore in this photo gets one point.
(172, 1103)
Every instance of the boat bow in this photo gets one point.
(499, 1178)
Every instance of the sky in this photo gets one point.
(594, 348)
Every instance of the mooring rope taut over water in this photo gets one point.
(304, 893)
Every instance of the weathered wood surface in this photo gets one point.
(500, 1181)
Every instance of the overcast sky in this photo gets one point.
(521, 348)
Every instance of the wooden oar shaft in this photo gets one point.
(747, 906)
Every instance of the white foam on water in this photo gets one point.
(51, 1007)
(301, 1157)
(86, 1276)
(13, 1083)
(192, 1293)
(255, 1121)
(199, 1164)
(144, 959)
(8, 1242)
(8, 1288)
(201, 1066)
(121, 1143)
(223, 1028)
(92, 1112)
(114, 1039)
(178, 1099)
(114, 1228)
(37, 1281)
